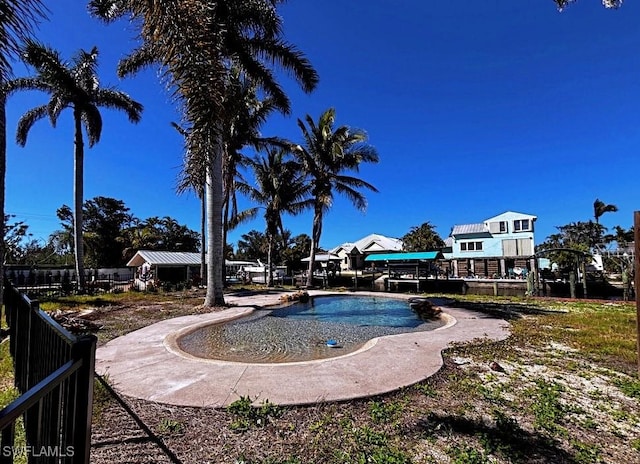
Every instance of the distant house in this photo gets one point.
(501, 246)
(353, 254)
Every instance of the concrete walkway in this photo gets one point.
(147, 364)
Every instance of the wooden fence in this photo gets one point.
(54, 374)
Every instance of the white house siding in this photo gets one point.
(371, 244)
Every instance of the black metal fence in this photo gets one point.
(53, 283)
(54, 374)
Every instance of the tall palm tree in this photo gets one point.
(197, 42)
(192, 178)
(281, 187)
(328, 152)
(17, 20)
(72, 85)
(245, 114)
(599, 208)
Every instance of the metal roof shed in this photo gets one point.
(170, 266)
(164, 258)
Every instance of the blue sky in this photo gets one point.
(475, 108)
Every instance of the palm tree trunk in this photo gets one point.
(3, 175)
(583, 269)
(215, 295)
(225, 219)
(203, 237)
(315, 241)
(78, 193)
(269, 261)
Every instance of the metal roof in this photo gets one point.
(164, 258)
(414, 256)
(372, 242)
(324, 257)
(468, 229)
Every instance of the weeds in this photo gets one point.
(629, 386)
(384, 412)
(585, 453)
(547, 408)
(248, 416)
(171, 426)
(426, 390)
(467, 455)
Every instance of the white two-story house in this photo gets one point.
(352, 254)
(499, 247)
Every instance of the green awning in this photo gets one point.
(415, 256)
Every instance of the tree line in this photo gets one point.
(111, 236)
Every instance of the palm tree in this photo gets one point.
(599, 208)
(193, 178)
(328, 152)
(72, 85)
(140, 235)
(17, 20)
(244, 116)
(197, 42)
(422, 238)
(281, 188)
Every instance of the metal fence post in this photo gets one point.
(84, 349)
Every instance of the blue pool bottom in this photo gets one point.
(301, 332)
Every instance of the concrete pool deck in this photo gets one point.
(147, 364)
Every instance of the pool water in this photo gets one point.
(300, 332)
(355, 310)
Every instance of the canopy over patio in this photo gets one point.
(412, 267)
(406, 257)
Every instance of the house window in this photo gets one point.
(498, 227)
(521, 225)
(471, 246)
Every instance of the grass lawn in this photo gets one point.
(563, 388)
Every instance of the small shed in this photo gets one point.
(168, 266)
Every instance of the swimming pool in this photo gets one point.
(300, 332)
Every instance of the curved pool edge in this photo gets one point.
(142, 365)
(171, 344)
(171, 341)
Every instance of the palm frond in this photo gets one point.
(23, 83)
(288, 57)
(18, 19)
(115, 99)
(92, 122)
(27, 121)
(141, 58)
(108, 10)
(49, 65)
